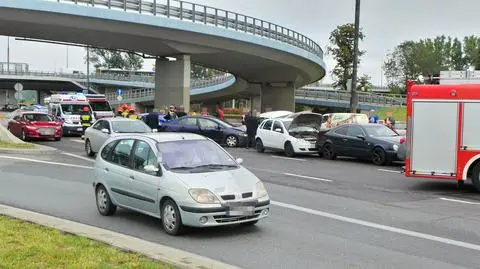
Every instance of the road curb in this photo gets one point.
(39, 149)
(179, 258)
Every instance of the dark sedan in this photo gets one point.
(374, 142)
(220, 131)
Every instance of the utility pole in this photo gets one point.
(67, 56)
(354, 97)
(88, 68)
(8, 54)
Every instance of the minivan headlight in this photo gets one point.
(260, 190)
(203, 196)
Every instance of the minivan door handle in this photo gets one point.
(132, 177)
(106, 169)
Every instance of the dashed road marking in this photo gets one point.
(77, 141)
(288, 158)
(390, 171)
(377, 226)
(46, 162)
(308, 177)
(459, 201)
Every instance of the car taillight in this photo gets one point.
(402, 140)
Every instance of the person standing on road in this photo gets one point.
(152, 120)
(373, 117)
(251, 122)
(181, 111)
(219, 112)
(86, 119)
(171, 115)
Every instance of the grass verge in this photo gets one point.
(399, 113)
(4, 144)
(28, 245)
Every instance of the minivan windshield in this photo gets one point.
(186, 155)
(100, 106)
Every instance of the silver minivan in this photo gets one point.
(184, 179)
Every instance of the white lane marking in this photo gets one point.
(380, 226)
(78, 156)
(46, 162)
(459, 201)
(390, 171)
(308, 177)
(77, 141)
(288, 158)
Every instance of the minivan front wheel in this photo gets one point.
(171, 219)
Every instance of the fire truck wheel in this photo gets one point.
(379, 157)
(476, 177)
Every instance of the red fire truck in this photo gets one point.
(443, 132)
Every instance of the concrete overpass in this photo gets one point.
(268, 60)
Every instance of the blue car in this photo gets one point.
(220, 131)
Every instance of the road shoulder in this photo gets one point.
(178, 258)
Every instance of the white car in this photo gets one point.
(181, 178)
(103, 129)
(293, 134)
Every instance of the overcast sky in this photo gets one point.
(385, 23)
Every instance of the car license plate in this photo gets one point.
(241, 211)
(80, 129)
(49, 131)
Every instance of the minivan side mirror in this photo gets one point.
(151, 169)
(239, 160)
(278, 130)
(105, 131)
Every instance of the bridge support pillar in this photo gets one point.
(256, 103)
(278, 96)
(172, 82)
(41, 95)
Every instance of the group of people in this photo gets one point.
(389, 120)
(126, 111)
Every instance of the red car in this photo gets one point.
(28, 125)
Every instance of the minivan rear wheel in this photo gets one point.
(88, 148)
(104, 203)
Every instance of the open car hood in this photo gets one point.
(304, 122)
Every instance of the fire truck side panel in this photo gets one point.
(434, 136)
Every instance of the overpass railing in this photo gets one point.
(195, 82)
(344, 97)
(196, 13)
(316, 95)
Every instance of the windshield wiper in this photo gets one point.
(213, 166)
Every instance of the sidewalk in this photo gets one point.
(179, 258)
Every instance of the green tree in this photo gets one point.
(364, 83)
(457, 60)
(471, 48)
(341, 48)
(111, 59)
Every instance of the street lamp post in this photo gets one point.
(88, 68)
(354, 97)
(8, 54)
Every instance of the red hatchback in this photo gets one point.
(28, 125)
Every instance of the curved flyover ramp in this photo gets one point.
(274, 58)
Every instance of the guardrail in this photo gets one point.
(195, 13)
(321, 95)
(195, 83)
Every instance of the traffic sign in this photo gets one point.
(119, 92)
(85, 91)
(18, 87)
(119, 98)
(18, 95)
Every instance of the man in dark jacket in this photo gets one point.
(251, 122)
(152, 120)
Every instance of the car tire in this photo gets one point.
(171, 218)
(231, 141)
(476, 177)
(58, 138)
(379, 156)
(105, 205)
(250, 223)
(288, 149)
(24, 136)
(328, 152)
(259, 146)
(88, 148)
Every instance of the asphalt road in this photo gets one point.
(326, 214)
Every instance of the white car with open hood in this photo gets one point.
(294, 134)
